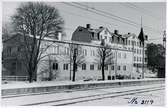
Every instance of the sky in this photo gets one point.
(153, 16)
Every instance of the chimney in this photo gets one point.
(88, 26)
(100, 27)
(59, 36)
(146, 37)
(116, 32)
(128, 33)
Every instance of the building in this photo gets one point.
(56, 61)
(122, 61)
(13, 57)
(133, 43)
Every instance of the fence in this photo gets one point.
(15, 78)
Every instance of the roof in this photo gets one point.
(85, 35)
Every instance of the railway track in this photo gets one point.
(74, 100)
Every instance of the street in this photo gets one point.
(133, 95)
(156, 96)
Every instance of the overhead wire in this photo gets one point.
(114, 17)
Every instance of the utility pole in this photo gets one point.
(50, 69)
(132, 59)
(70, 59)
(116, 63)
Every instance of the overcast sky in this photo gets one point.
(153, 15)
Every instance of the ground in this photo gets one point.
(156, 96)
(67, 97)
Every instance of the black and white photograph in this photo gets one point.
(81, 53)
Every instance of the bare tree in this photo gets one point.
(76, 58)
(104, 57)
(37, 20)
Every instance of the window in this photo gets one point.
(123, 41)
(119, 67)
(18, 48)
(137, 51)
(134, 58)
(85, 52)
(80, 29)
(105, 31)
(57, 49)
(13, 72)
(125, 55)
(112, 68)
(119, 55)
(132, 42)
(9, 51)
(106, 67)
(129, 42)
(112, 38)
(101, 36)
(91, 67)
(137, 43)
(99, 67)
(124, 68)
(126, 41)
(84, 66)
(68, 51)
(92, 53)
(14, 66)
(145, 59)
(98, 37)
(118, 39)
(55, 66)
(92, 35)
(140, 51)
(65, 66)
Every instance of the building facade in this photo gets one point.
(56, 62)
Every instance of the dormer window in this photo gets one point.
(112, 38)
(92, 35)
(105, 31)
(98, 37)
(118, 39)
(80, 29)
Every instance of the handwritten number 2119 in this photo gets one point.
(147, 102)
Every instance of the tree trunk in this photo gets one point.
(50, 70)
(74, 67)
(103, 75)
(30, 75)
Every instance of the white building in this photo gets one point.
(57, 56)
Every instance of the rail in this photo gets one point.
(14, 78)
